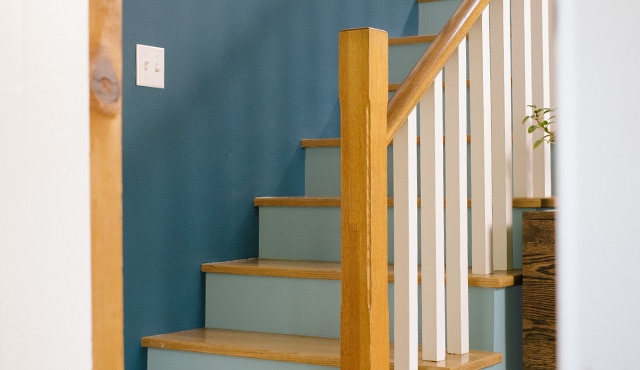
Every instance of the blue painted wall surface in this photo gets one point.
(245, 81)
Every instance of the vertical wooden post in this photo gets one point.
(480, 107)
(363, 86)
(405, 241)
(501, 168)
(105, 50)
(456, 233)
(521, 90)
(541, 92)
(432, 223)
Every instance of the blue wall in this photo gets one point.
(245, 81)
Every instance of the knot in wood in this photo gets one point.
(104, 82)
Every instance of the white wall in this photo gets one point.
(599, 166)
(45, 291)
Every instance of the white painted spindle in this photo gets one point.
(500, 24)
(541, 92)
(456, 202)
(480, 114)
(432, 223)
(521, 90)
(405, 240)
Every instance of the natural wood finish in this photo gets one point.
(406, 40)
(335, 202)
(264, 346)
(330, 143)
(296, 202)
(293, 348)
(395, 87)
(421, 77)
(538, 291)
(534, 202)
(105, 48)
(363, 83)
(320, 143)
(496, 279)
(326, 270)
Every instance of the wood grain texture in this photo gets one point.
(336, 202)
(333, 271)
(363, 84)
(411, 39)
(293, 348)
(538, 291)
(106, 182)
(431, 63)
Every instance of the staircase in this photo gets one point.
(282, 310)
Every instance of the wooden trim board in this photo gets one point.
(332, 271)
(105, 48)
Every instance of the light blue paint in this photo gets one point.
(433, 16)
(322, 171)
(402, 59)
(313, 233)
(300, 233)
(312, 307)
(165, 359)
(305, 233)
(274, 305)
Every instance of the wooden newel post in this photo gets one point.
(363, 89)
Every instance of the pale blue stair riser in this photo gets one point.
(433, 15)
(313, 233)
(311, 307)
(402, 59)
(322, 171)
(166, 359)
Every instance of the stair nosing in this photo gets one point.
(407, 40)
(327, 270)
(291, 348)
(543, 202)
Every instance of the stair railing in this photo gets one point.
(369, 125)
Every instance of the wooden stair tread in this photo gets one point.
(335, 202)
(419, 39)
(332, 271)
(290, 348)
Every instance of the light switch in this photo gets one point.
(149, 66)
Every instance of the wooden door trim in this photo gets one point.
(105, 49)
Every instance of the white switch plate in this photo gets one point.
(149, 66)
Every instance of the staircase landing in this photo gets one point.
(291, 348)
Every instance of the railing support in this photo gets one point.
(363, 86)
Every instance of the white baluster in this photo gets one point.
(480, 109)
(432, 223)
(500, 23)
(541, 92)
(521, 90)
(405, 239)
(456, 232)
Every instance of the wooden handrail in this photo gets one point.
(421, 77)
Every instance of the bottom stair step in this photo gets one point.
(316, 351)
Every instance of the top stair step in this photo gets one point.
(291, 348)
